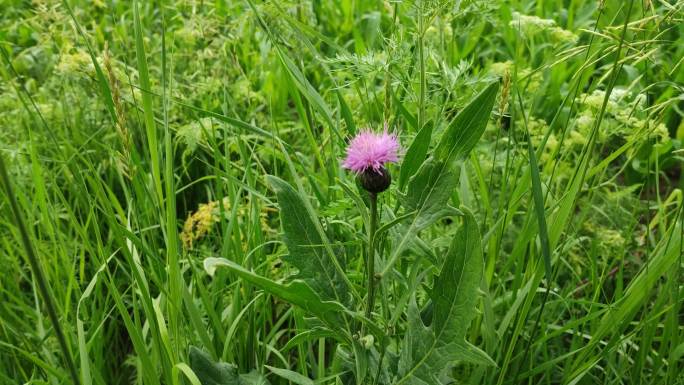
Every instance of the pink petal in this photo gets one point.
(370, 150)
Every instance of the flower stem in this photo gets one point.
(371, 253)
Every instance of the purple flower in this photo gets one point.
(369, 150)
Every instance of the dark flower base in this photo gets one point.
(375, 181)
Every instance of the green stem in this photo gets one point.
(421, 61)
(371, 253)
(41, 280)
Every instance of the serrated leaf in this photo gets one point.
(296, 292)
(429, 189)
(429, 351)
(253, 378)
(428, 196)
(455, 290)
(210, 372)
(306, 246)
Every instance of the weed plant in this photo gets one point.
(174, 208)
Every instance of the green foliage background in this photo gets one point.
(138, 139)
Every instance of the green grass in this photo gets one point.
(147, 144)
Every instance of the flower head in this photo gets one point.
(369, 150)
(367, 155)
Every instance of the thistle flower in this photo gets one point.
(367, 155)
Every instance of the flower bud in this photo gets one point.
(375, 181)
(367, 341)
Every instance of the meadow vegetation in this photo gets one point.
(174, 208)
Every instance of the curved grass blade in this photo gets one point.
(41, 280)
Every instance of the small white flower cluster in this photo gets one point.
(75, 62)
(623, 109)
(434, 33)
(530, 25)
(193, 133)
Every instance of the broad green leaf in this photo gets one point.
(296, 292)
(306, 246)
(220, 373)
(427, 196)
(429, 189)
(465, 130)
(210, 372)
(415, 155)
(361, 358)
(429, 351)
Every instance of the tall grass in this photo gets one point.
(138, 136)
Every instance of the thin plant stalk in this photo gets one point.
(371, 252)
(421, 59)
(41, 280)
